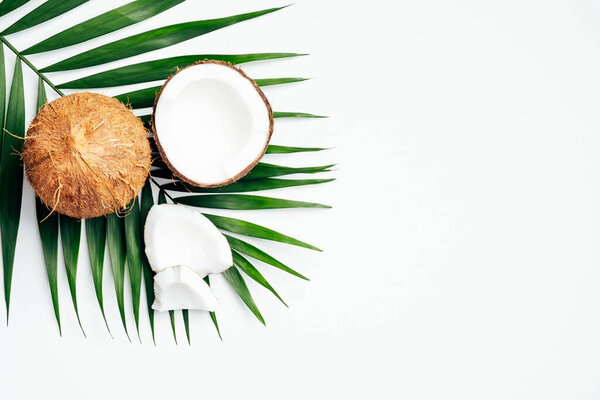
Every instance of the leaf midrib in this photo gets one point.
(30, 65)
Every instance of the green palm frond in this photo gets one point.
(146, 203)
(243, 202)
(9, 5)
(48, 228)
(162, 199)
(250, 185)
(70, 236)
(185, 314)
(293, 114)
(173, 329)
(151, 40)
(246, 228)
(110, 21)
(123, 234)
(213, 315)
(145, 97)
(274, 149)
(264, 170)
(45, 12)
(95, 230)
(157, 70)
(254, 252)
(236, 281)
(249, 269)
(133, 246)
(11, 178)
(115, 233)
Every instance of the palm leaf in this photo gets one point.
(2, 94)
(213, 315)
(42, 97)
(251, 185)
(254, 252)
(124, 236)
(11, 178)
(45, 12)
(95, 230)
(186, 323)
(110, 21)
(150, 40)
(288, 114)
(243, 202)
(70, 235)
(157, 70)
(145, 205)
(145, 97)
(172, 318)
(250, 229)
(115, 232)
(253, 273)
(234, 278)
(9, 5)
(133, 241)
(261, 170)
(278, 81)
(264, 170)
(274, 149)
(48, 228)
(162, 199)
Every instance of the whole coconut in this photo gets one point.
(86, 155)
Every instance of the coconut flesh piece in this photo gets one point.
(182, 245)
(211, 123)
(180, 288)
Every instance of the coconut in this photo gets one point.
(182, 247)
(86, 155)
(211, 123)
(180, 288)
(175, 234)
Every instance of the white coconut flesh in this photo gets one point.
(180, 288)
(182, 247)
(180, 235)
(212, 123)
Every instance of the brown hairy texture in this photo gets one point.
(86, 155)
(249, 167)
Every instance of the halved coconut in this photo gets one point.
(180, 235)
(211, 123)
(180, 288)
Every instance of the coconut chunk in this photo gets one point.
(211, 123)
(180, 235)
(180, 288)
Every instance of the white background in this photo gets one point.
(461, 256)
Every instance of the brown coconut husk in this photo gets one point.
(245, 171)
(86, 155)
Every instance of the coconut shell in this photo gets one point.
(248, 168)
(86, 155)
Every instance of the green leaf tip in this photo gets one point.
(252, 251)
(249, 269)
(236, 281)
(293, 114)
(70, 235)
(172, 318)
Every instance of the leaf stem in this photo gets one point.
(159, 187)
(30, 65)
